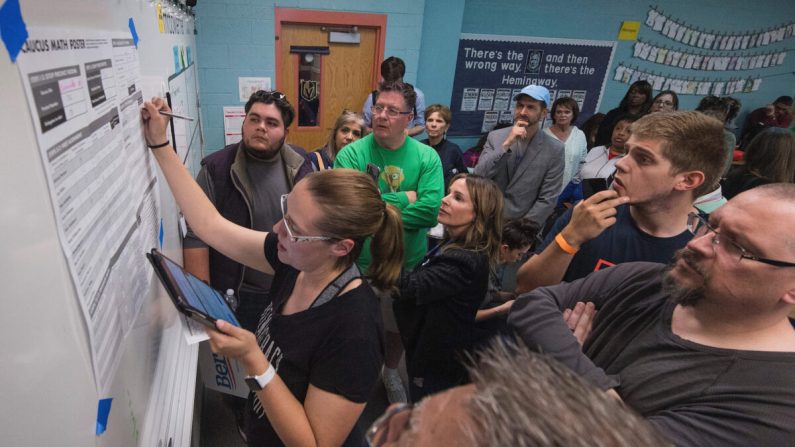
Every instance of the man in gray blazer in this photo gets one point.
(526, 164)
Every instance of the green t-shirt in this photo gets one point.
(411, 167)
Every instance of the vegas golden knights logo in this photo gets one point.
(309, 89)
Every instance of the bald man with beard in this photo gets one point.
(703, 348)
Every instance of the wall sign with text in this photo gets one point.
(491, 70)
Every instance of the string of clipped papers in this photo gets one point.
(687, 86)
(721, 56)
(679, 31)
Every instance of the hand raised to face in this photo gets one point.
(518, 131)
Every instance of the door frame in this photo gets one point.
(284, 16)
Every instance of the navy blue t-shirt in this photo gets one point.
(622, 242)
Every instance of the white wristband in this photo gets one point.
(257, 383)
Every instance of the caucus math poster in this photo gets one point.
(491, 70)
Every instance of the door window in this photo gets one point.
(309, 90)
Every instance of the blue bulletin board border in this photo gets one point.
(490, 69)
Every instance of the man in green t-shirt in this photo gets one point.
(411, 179)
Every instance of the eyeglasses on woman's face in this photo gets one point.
(294, 237)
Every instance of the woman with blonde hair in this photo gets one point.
(348, 128)
(318, 348)
(439, 299)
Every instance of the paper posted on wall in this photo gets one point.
(84, 99)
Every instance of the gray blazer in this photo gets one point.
(533, 188)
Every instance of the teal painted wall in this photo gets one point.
(235, 38)
(601, 20)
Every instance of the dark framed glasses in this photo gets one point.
(701, 227)
(390, 112)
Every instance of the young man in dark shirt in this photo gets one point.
(672, 158)
(704, 348)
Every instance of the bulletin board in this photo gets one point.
(492, 69)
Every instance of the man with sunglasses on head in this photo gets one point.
(245, 181)
(409, 175)
(702, 348)
(672, 159)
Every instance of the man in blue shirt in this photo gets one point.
(392, 70)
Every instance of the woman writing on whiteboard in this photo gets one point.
(318, 349)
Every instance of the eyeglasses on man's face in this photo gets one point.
(291, 234)
(388, 427)
(390, 111)
(700, 227)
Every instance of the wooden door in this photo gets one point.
(320, 86)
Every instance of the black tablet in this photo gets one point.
(189, 294)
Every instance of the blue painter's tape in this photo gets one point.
(134, 33)
(102, 415)
(12, 28)
(160, 236)
(177, 67)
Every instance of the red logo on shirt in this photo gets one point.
(602, 264)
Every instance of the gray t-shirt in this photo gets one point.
(265, 183)
(696, 395)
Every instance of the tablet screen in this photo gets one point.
(198, 295)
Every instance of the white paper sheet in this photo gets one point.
(84, 99)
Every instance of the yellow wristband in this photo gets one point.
(564, 245)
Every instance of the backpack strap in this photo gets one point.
(320, 165)
(334, 288)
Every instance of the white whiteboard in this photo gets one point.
(48, 385)
(183, 88)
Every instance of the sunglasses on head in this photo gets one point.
(279, 96)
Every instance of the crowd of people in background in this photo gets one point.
(646, 254)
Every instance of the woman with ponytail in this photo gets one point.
(439, 299)
(318, 349)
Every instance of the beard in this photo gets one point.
(530, 122)
(260, 154)
(686, 296)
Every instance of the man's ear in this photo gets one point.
(789, 296)
(689, 180)
(343, 247)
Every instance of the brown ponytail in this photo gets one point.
(386, 248)
(352, 209)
